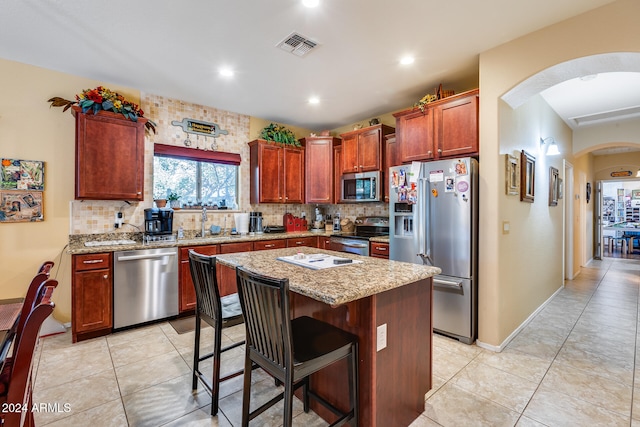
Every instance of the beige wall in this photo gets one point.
(603, 166)
(30, 130)
(501, 308)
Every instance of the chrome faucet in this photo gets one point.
(204, 219)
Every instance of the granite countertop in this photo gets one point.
(379, 239)
(132, 241)
(333, 286)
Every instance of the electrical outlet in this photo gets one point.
(119, 219)
(382, 337)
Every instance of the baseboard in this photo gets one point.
(503, 345)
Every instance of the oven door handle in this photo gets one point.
(354, 245)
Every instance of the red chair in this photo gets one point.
(46, 267)
(19, 394)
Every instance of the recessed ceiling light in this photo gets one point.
(407, 60)
(226, 72)
(311, 3)
(314, 100)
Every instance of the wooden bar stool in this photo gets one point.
(290, 350)
(218, 312)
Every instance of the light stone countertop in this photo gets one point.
(77, 242)
(333, 286)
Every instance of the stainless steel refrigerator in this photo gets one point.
(433, 220)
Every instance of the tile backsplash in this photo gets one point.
(91, 217)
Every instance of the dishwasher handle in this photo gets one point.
(147, 256)
(354, 245)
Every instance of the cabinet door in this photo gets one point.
(262, 245)
(270, 183)
(379, 250)
(91, 294)
(390, 159)
(369, 155)
(318, 170)
(414, 131)
(227, 275)
(186, 289)
(323, 242)
(350, 153)
(456, 125)
(109, 157)
(293, 175)
(337, 173)
(310, 241)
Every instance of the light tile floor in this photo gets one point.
(572, 365)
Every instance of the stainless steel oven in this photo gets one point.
(352, 245)
(358, 242)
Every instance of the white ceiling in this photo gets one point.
(175, 49)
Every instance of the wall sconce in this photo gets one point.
(552, 149)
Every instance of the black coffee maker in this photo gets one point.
(158, 222)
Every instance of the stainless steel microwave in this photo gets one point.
(360, 187)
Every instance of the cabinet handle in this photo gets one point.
(106, 276)
(355, 167)
(92, 261)
(439, 150)
(380, 248)
(269, 246)
(360, 166)
(429, 152)
(298, 243)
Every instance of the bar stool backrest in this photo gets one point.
(265, 304)
(203, 274)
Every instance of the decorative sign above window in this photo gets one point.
(620, 174)
(198, 127)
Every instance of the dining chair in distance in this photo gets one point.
(290, 350)
(218, 312)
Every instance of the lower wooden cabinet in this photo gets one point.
(227, 275)
(323, 242)
(91, 295)
(262, 245)
(310, 241)
(186, 291)
(379, 250)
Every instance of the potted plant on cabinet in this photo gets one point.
(278, 133)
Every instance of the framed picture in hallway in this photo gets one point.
(512, 175)
(554, 186)
(527, 177)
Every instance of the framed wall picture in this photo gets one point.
(560, 188)
(18, 174)
(512, 175)
(21, 206)
(554, 186)
(527, 177)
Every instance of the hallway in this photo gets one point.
(574, 364)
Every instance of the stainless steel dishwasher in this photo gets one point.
(145, 286)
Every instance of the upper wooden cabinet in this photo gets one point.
(318, 168)
(277, 173)
(362, 149)
(391, 158)
(446, 128)
(109, 156)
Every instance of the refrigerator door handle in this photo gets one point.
(447, 283)
(424, 236)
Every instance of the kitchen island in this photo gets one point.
(387, 304)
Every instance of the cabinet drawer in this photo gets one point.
(380, 250)
(203, 250)
(91, 261)
(228, 248)
(310, 241)
(261, 245)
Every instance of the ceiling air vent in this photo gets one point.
(297, 44)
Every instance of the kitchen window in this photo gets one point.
(197, 176)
